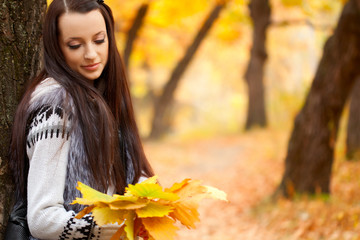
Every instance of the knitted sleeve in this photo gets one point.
(48, 142)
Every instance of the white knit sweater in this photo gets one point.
(48, 143)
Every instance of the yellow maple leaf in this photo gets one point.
(150, 191)
(129, 225)
(125, 198)
(153, 209)
(91, 196)
(152, 179)
(105, 215)
(160, 228)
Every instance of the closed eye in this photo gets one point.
(74, 46)
(100, 41)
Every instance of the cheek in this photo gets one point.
(105, 52)
(72, 58)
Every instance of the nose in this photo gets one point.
(90, 52)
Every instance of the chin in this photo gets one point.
(91, 76)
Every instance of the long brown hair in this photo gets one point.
(101, 121)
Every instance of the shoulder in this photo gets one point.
(49, 93)
(49, 109)
(48, 125)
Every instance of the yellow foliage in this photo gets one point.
(322, 5)
(292, 3)
(147, 205)
(314, 6)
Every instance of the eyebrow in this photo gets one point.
(76, 38)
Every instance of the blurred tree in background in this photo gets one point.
(133, 31)
(171, 34)
(166, 30)
(260, 13)
(162, 113)
(311, 147)
(353, 128)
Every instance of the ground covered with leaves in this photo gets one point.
(249, 168)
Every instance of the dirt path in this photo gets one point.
(238, 165)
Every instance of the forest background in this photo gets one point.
(212, 97)
(208, 47)
(207, 134)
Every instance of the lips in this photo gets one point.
(91, 67)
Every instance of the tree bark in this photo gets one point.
(20, 38)
(353, 128)
(260, 13)
(132, 34)
(311, 147)
(163, 104)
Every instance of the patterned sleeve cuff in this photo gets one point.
(79, 229)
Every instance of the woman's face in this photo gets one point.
(84, 42)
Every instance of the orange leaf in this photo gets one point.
(140, 230)
(119, 233)
(84, 211)
(177, 186)
(186, 213)
(160, 228)
(189, 189)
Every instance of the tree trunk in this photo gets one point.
(311, 147)
(353, 128)
(132, 34)
(163, 104)
(260, 13)
(20, 37)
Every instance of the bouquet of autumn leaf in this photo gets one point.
(146, 207)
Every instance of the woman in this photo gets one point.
(75, 123)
